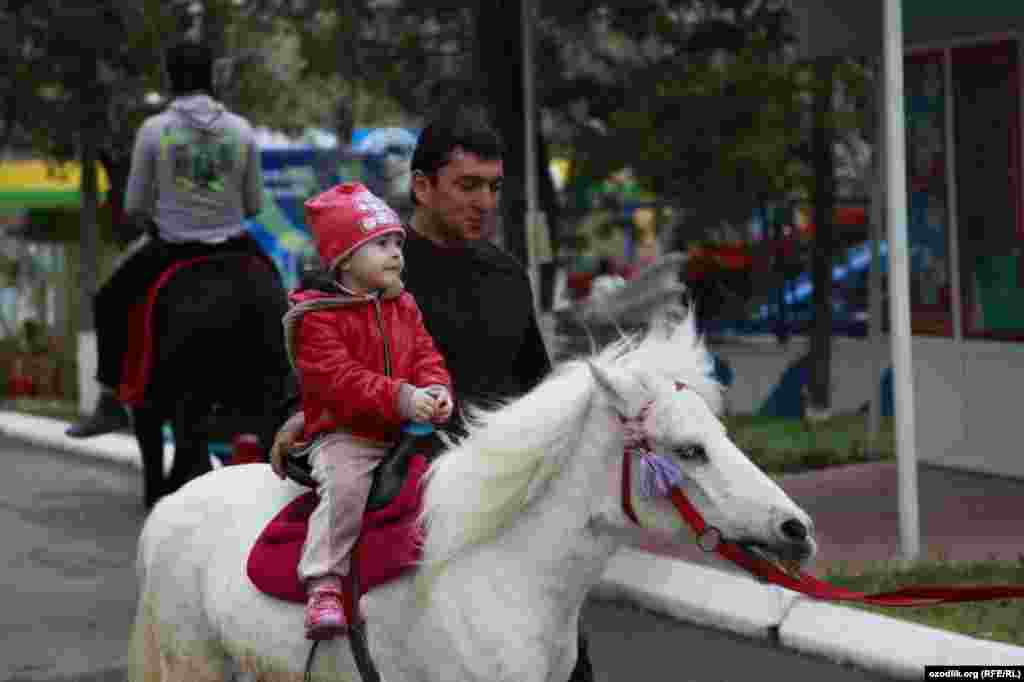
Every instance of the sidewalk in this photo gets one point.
(855, 513)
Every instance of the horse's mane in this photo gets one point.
(475, 489)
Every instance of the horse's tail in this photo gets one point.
(144, 657)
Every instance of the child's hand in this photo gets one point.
(443, 411)
(424, 404)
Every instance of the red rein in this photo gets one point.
(709, 539)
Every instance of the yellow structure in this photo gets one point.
(35, 183)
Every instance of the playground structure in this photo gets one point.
(292, 173)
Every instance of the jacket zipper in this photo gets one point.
(380, 326)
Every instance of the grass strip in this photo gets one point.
(998, 620)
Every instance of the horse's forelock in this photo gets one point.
(673, 350)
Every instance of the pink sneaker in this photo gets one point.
(325, 615)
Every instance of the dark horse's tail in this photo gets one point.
(219, 351)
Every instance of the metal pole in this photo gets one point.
(91, 103)
(875, 274)
(899, 278)
(530, 156)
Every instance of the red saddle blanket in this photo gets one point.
(138, 357)
(390, 543)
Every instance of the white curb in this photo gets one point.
(734, 602)
(887, 645)
(688, 592)
(695, 594)
(49, 433)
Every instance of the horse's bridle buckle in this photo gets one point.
(709, 539)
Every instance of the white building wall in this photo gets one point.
(991, 398)
(969, 395)
(758, 366)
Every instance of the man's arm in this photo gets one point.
(140, 191)
(287, 425)
(252, 188)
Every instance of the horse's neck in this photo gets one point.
(552, 542)
(538, 571)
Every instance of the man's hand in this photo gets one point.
(286, 440)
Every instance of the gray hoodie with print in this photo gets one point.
(196, 171)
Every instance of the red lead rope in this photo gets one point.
(808, 584)
(812, 587)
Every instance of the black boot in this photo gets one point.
(582, 672)
(110, 415)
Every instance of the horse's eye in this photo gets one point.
(691, 451)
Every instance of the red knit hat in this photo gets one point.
(345, 217)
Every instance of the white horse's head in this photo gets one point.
(660, 393)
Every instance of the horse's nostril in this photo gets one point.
(794, 530)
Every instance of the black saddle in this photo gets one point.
(389, 475)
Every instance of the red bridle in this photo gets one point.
(710, 539)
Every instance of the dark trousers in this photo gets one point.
(582, 672)
(130, 283)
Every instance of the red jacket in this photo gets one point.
(358, 360)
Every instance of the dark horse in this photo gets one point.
(219, 362)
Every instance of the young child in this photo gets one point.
(366, 364)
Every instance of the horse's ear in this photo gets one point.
(684, 329)
(666, 320)
(624, 390)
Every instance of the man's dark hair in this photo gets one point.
(467, 128)
(190, 68)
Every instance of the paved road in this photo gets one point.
(68, 595)
(628, 643)
(67, 600)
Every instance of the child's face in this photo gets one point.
(375, 265)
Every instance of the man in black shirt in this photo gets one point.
(475, 298)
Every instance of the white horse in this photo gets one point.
(521, 518)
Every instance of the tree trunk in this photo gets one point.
(548, 199)
(117, 169)
(89, 154)
(499, 40)
(499, 77)
(824, 212)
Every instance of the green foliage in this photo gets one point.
(75, 70)
(290, 74)
(64, 409)
(792, 445)
(272, 88)
(696, 96)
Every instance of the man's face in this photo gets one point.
(462, 196)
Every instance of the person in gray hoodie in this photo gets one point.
(195, 177)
